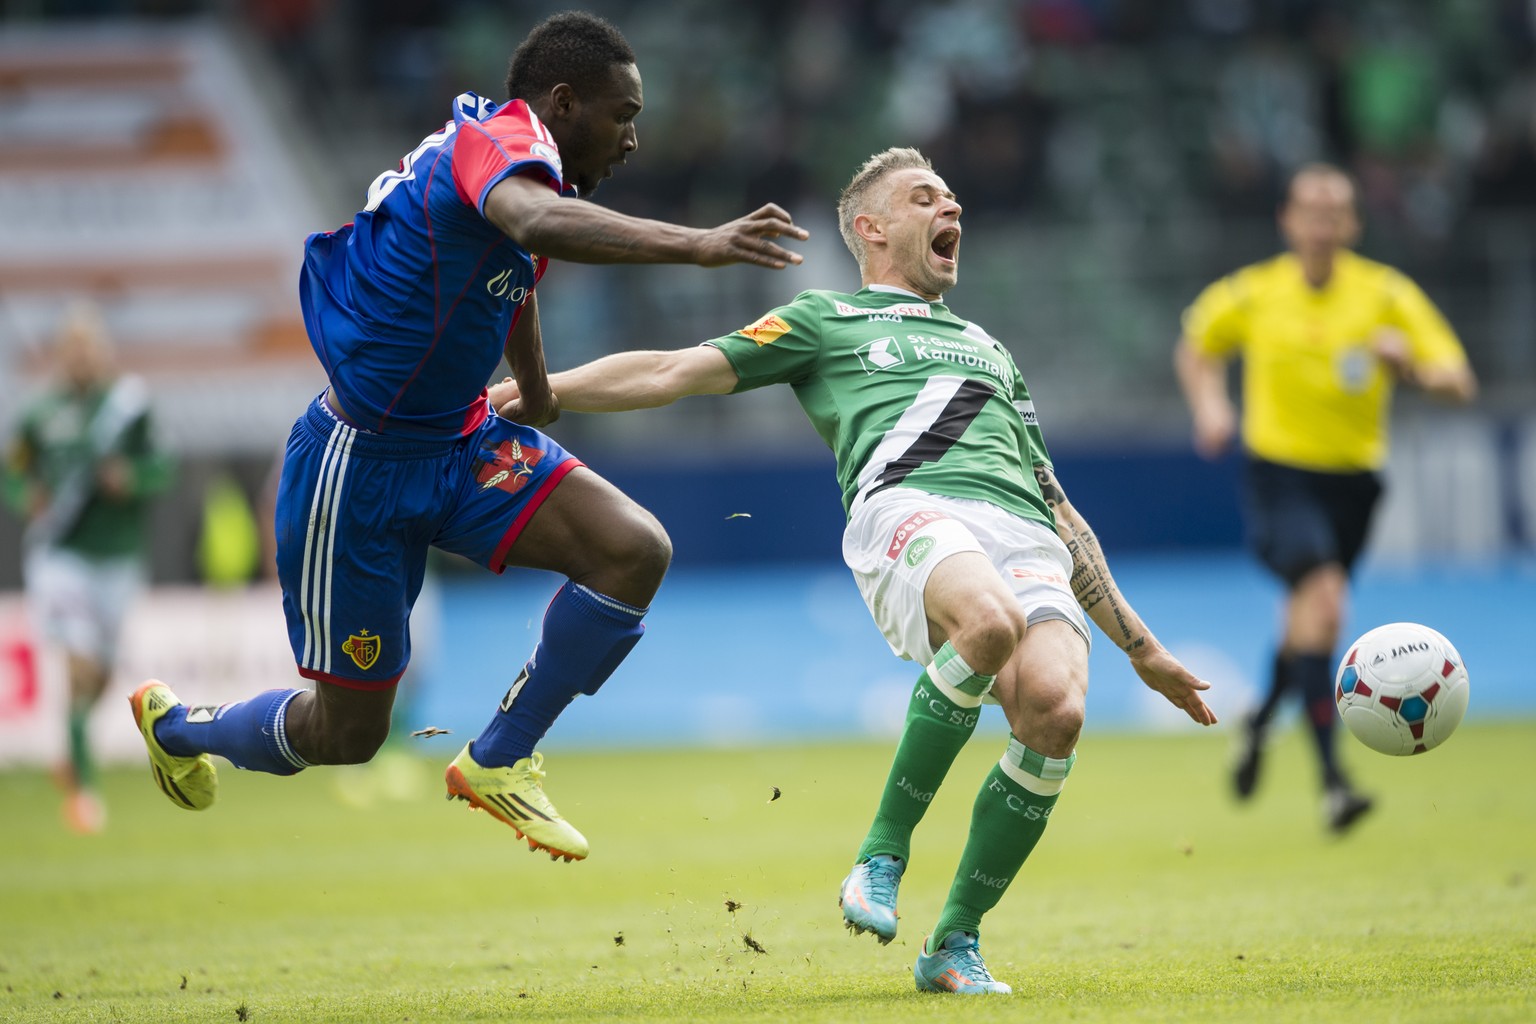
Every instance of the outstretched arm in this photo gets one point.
(631, 380)
(1100, 597)
(527, 211)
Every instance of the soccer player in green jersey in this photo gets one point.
(969, 555)
(81, 469)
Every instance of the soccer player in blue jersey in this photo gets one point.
(410, 308)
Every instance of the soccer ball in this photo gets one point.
(1401, 689)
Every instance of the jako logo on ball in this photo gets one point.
(1401, 689)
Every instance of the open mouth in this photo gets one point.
(946, 244)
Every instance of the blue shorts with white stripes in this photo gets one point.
(356, 513)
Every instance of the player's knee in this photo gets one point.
(1330, 619)
(1331, 608)
(1066, 716)
(1319, 601)
(990, 634)
(1056, 723)
(642, 553)
(653, 552)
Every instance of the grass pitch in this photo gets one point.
(1151, 898)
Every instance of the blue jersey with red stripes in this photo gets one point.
(409, 307)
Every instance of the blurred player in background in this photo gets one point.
(410, 308)
(963, 543)
(1324, 334)
(81, 470)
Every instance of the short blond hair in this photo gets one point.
(859, 196)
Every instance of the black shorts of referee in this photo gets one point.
(1299, 519)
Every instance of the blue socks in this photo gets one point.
(586, 635)
(250, 733)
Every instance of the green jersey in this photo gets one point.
(905, 393)
(57, 448)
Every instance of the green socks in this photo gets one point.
(1010, 812)
(1007, 821)
(80, 749)
(946, 703)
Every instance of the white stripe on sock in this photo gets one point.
(1033, 783)
(612, 603)
(954, 668)
(280, 733)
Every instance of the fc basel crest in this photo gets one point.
(363, 650)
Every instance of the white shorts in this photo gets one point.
(896, 538)
(79, 603)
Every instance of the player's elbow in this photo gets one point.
(698, 371)
(1195, 371)
(662, 385)
(1465, 388)
(1185, 359)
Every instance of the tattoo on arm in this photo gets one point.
(1093, 587)
(1092, 584)
(1050, 490)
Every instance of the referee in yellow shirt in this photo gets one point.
(1324, 335)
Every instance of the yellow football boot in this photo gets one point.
(515, 795)
(189, 782)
